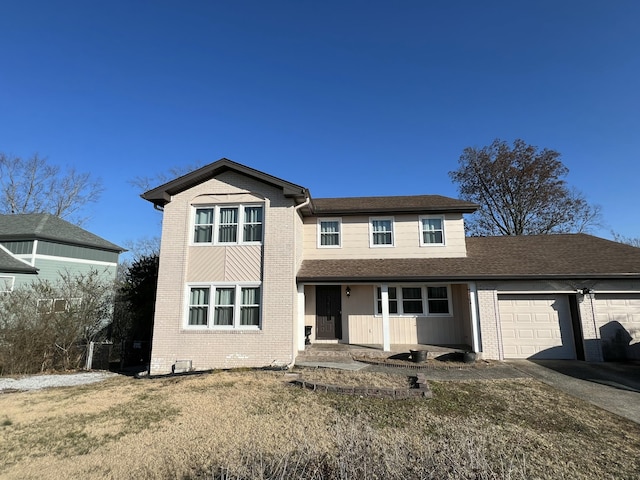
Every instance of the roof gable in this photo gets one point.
(44, 226)
(161, 195)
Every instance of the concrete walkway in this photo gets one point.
(614, 387)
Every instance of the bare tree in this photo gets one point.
(633, 241)
(147, 183)
(33, 185)
(521, 191)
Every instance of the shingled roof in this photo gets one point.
(44, 226)
(508, 257)
(393, 204)
(10, 264)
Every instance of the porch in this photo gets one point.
(372, 319)
(335, 352)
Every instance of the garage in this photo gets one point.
(618, 323)
(536, 326)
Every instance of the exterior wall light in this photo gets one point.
(348, 291)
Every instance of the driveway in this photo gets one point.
(615, 387)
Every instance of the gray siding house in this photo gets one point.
(42, 246)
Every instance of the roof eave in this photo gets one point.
(458, 278)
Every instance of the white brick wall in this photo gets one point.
(273, 343)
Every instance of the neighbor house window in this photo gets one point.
(224, 306)
(415, 300)
(381, 232)
(235, 224)
(431, 231)
(6, 283)
(329, 232)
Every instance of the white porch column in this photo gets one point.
(386, 337)
(473, 305)
(300, 321)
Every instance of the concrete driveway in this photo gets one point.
(612, 386)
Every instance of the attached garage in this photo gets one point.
(536, 326)
(618, 323)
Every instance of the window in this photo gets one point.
(329, 232)
(410, 300)
(228, 225)
(252, 224)
(431, 231)
(236, 224)
(203, 225)
(393, 300)
(381, 232)
(438, 300)
(6, 283)
(233, 306)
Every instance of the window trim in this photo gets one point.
(237, 306)
(421, 230)
(424, 296)
(216, 224)
(319, 231)
(393, 231)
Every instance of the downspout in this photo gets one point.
(299, 297)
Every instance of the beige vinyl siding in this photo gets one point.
(364, 327)
(407, 230)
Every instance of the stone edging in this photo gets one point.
(422, 390)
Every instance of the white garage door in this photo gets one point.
(618, 322)
(536, 326)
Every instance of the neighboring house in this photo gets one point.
(42, 246)
(248, 260)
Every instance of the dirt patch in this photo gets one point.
(329, 376)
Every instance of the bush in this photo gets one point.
(47, 326)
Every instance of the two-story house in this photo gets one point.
(42, 246)
(248, 261)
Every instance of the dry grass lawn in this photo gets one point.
(249, 424)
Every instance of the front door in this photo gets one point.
(328, 312)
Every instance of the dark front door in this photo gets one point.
(328, 312)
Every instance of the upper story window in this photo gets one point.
(329, 233)
(431, 231)
(416, 300)
(223, 225)
(224, 306)
(381, 230)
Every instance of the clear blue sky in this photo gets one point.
(343, 97)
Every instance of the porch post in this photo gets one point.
(473, 305)
(386, 337)
(300, 322)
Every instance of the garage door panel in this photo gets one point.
(536, 326)
(618, 322)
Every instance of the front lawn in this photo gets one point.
(250, 424)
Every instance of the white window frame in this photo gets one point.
(319, 239)
(216, 224)
(422, 231)
(7, 282)
(425, 300)
(371, 232)
(237, 306)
